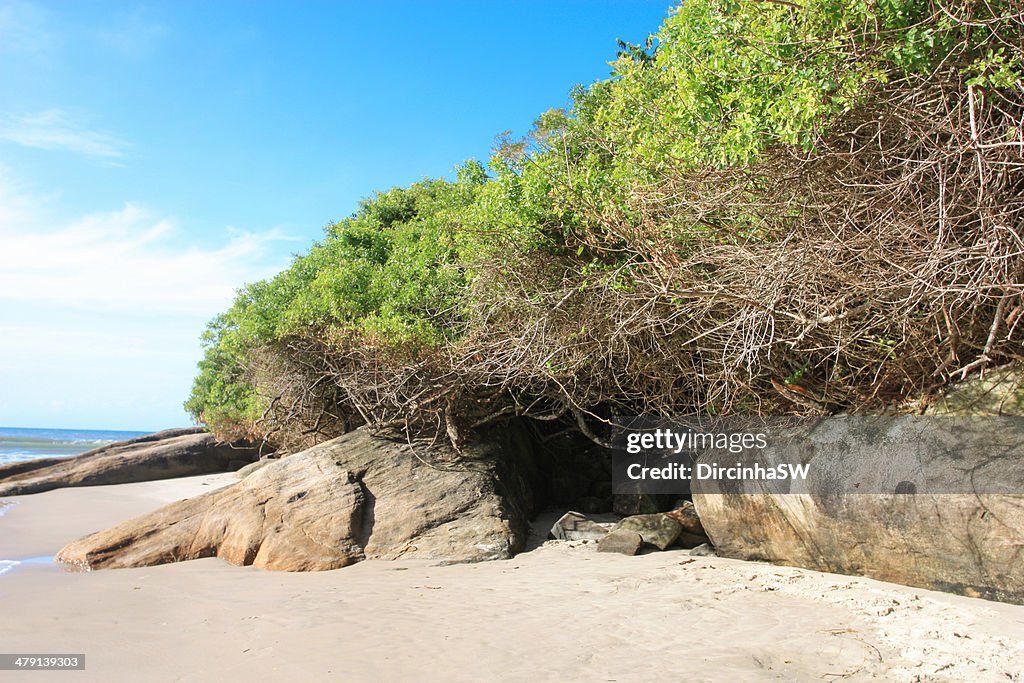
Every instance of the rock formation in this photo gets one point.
(351, 498)
(942, 509)
(163, 455)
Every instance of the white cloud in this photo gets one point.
(55, 129)
(100, 316)
(123, 260)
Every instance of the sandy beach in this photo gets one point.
(560, 612)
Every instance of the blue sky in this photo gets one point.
(156, 156)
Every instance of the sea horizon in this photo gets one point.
(18, 444)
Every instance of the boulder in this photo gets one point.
(305, 514)
(620, 541)
(658, 530)
(348, 499)
(916, 500)
(573, 526)
(163, 455)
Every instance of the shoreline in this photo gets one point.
(36, 525)
(561, 612)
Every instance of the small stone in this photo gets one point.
(686, 514)
(573, 526)
(703, 550)
(624, 542)
(659, 529)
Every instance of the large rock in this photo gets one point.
(962, 530)
(163, 455)
(342, 501)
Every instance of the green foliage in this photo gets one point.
(719, 85)
(393, 273)
(221, 398)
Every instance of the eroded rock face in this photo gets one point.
(943, 537)
(163, 455)
(956, 543)
(306, 513)
(342, 501)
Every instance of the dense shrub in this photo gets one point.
(825, 194)
(393, 274)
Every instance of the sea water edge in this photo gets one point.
(18, 444)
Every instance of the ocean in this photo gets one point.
(18, 443)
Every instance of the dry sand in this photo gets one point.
(561, 612)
